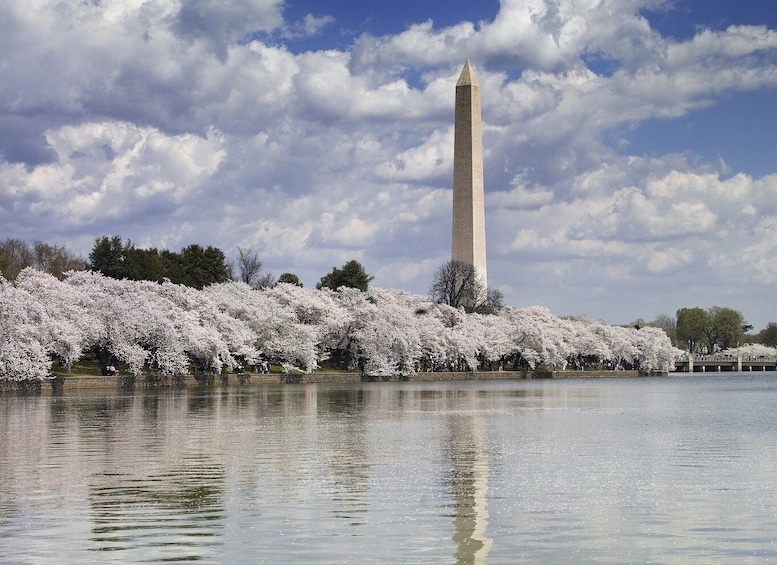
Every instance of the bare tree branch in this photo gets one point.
(250, 267)
(457, 284)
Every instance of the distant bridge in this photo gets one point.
(719, 363)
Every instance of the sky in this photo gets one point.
(629, 144)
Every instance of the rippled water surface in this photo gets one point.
(673, 470)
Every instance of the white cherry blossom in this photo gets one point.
(384, 332)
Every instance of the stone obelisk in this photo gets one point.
(469, 216)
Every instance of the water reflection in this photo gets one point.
(468, 450)
(202, 403)
(172, 514)
(346, 466)
(589, 471)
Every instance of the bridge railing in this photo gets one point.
(729, 357)
(725, 362)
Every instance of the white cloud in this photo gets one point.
(219, 24)
(172, 122)
(311, 25)
(661, 261)
(105, 172)
(432, 159)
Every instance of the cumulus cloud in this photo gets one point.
(175, 122)
(220, 24)
(109, 173)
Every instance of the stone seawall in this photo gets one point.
(123, 382)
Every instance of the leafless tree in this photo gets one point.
(668, 324)
(250, 267)
(56, 259)
(495, 301)
(457, 284)
(15, 255)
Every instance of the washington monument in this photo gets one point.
(469, 217)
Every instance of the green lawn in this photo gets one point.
(80, 369)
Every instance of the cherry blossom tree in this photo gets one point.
(275, 330)
(389, 340)
(24, 354)
(72, 329)
(539, 337)
(497, 345)
(121, 312)
(384, 332)
(318, 309)
(212, 332)
(654, 349)
(753, 351)
(434, 324)
(465, 341)
(588, 340)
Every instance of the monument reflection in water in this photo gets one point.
(672, 470)
(468, 450)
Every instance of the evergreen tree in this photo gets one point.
(194, 266)
(289, 278)
(200, 267)
(351, 275)
(143, 264)
(108, 257)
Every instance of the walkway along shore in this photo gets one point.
(66, 384)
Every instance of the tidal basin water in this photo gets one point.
(662, 470)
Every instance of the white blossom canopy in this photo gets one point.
(174, 328)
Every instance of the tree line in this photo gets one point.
(454, 283)
(194, 266)
(56, 260)
(173, 329)
(718, 328)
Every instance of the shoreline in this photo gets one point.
(126, 382)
